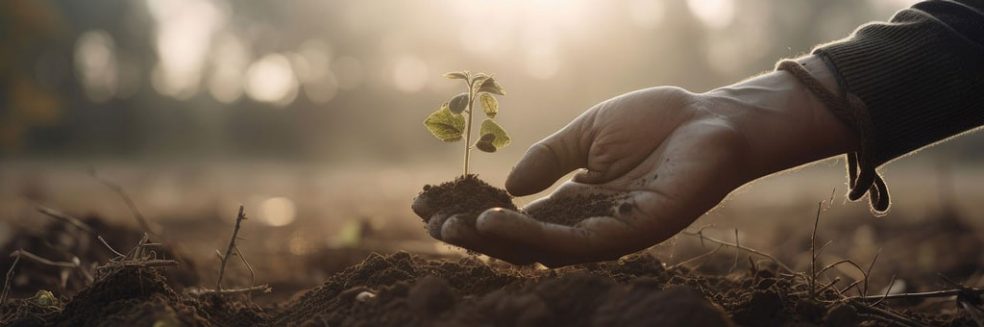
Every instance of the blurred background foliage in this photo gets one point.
(342, 81)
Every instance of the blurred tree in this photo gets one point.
(27, 27)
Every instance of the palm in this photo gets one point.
(672, 162)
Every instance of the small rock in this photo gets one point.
(365, 296)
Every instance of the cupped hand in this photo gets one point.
(669, 154)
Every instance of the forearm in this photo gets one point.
(784, 124)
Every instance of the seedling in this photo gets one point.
(449, 124)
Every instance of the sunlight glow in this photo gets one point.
(277, 211)
(95, 60)
(185, 29)
(271, 79)
(410, 74)
(229, 61)
(713, 13)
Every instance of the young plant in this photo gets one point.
(449, 123)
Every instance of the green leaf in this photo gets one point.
(458, 103)
(478, 80)
(492, 134)
(445, 125)
(456, 75)
(490, 104)
(491, 86)
(485, 143)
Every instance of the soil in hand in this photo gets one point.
(467, 195)
(572, 210)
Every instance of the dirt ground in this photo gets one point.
(695, 279)
(402, 289)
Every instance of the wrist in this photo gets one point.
(784, 124)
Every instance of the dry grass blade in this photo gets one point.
(137, 215)
(60, 216)
(888, 290)
(813, 253)
(868, 273)
(103, 241)
(252, 274)
(741, 247)
(42, 260)
(6, 281)
(701, 256)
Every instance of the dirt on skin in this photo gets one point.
(404, 290)
(469, 196)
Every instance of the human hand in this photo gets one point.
(671, 154)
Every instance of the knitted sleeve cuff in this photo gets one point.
(921, 79)
(918, 79)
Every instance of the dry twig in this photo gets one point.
(232, 245)
(263, 288)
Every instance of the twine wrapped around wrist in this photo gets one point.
(851, 110)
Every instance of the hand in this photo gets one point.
(675, 154)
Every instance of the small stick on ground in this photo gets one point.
(918, 295)
(139, 263)
(6, 281)
(232, 245)
(263, 288)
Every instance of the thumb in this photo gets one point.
(548, 160)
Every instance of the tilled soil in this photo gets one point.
(403, 290)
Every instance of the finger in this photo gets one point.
(456, 232)
(595, 239)
(435, 224)
(422, 207)
(548, 160)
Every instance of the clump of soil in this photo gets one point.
(466, 195)
(572, 210)
(469, 196)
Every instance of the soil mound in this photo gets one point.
(405, 290)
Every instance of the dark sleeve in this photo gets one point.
(920, 76)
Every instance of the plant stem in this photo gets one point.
(468, 126)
